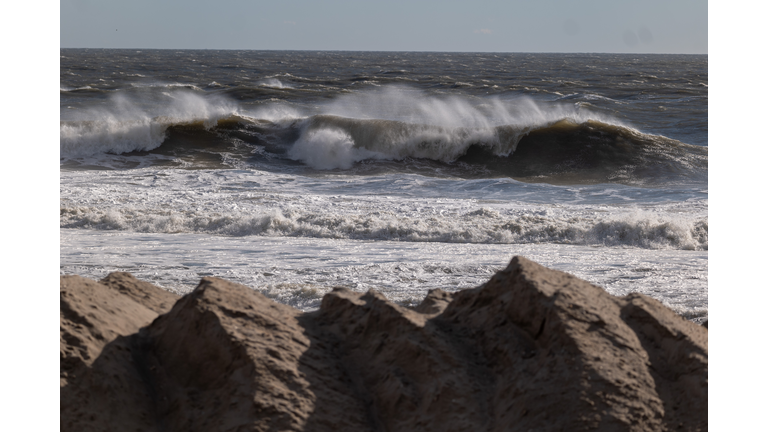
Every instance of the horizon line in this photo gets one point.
(389, 51)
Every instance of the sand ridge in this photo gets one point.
(531, 349)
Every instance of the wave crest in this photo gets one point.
(329, 148)
(125, 126)
(520, 139)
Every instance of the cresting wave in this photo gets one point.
(590, 148)
(638, 229)
(401, 106)
(125, 126)
(395, 122)
(520, 140)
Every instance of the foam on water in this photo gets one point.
(274, 83)
(328, 149)
(634, 228)
(246, 205)
(299, 271)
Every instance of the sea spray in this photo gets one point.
(329, 148)
(126, 125)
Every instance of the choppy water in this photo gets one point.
(385, 170)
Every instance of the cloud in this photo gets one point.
(483, 31)
(289, 22)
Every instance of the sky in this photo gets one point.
(605, 26)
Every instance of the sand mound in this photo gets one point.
(532, 349)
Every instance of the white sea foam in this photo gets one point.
(165, 85)
(518, 228)
(329, 149)
(68, 89)
(651, 231)
(240, 204)
(274, 83)
(299, 271)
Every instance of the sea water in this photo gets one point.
(294, 172)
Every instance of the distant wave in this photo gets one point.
(166, 85)
(80, 89)
(274, 83)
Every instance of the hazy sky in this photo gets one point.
(654, 26)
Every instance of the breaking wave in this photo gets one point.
(125, 126)
(520, 140)
(638, 229)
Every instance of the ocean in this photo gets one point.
(293, 172)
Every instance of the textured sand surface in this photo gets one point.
(532, 349)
